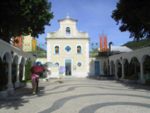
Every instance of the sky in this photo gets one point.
(94, 17)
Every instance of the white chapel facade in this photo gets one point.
(69, 48)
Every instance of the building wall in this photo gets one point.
(101, 61)
(34, 47)
(27, 43)
(72, 54)
(73, 39)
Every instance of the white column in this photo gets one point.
(23, 78)
(49, 51)
(10, 85)
(142, 80)
(122, 77)
(10, 89)
(87, 58)
(17, 82)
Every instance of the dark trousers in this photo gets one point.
(37, 85)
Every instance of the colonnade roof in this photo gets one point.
(139, 54)
(8, 48)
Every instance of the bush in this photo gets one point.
(28, 70)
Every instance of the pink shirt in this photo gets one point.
(34, 76)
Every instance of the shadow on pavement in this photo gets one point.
(130, 84)
(20, 97)
(134, 85)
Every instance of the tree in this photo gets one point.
(23, 17)
(134, 16)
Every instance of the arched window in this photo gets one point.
(56, 49)
(68, 31)
(79, 49)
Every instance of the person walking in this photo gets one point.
(35, 82)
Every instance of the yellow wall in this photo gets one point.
(73, 55)
(34, 44)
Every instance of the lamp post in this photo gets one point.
(110, 43)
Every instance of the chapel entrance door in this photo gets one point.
(68, 67)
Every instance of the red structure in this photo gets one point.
(103, 43)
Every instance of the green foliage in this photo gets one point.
(94, 52)
(28, 70)
(39, 52)
(138, 44)
(23, 17)
(134, 16)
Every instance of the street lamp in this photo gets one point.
(110, 43)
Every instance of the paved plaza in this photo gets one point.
(72, 95)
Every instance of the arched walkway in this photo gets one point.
(135, 64)
(134, 70)
(119, 69)
(10, 59)
(126, 68)
(146, 68)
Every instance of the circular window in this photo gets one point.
(67, 48)
(79, 64)
(57, 64)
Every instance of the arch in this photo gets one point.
(134, 70)
(119, 69)
(7, 57)
(23, 61)
(146, 67)
(16, 59)
(126, 68)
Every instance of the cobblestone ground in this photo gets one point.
(72, 95)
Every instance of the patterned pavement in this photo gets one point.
(72, 95)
